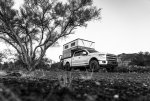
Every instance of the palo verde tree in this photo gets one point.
(39, 24)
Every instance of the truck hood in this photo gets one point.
(97, 53)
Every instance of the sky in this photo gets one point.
(123, 28)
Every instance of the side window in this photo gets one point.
(72, 44)
(78, 53)
(66, 46)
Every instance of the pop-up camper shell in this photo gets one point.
(77, 44)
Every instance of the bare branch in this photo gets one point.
(6, 40)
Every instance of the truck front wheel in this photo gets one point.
(93, 66)
(67, 66)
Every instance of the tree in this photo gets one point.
(39, 24)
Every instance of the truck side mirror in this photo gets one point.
(60, 57)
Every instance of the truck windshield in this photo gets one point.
(92, 51)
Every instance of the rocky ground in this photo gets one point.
(101, 87)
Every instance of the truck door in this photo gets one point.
(80, 58)
(84, 58)
(76, 58)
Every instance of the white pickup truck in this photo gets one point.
(80, 53)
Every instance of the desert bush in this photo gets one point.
(56, 66)
(127, 69)
(122, 69)
(9, 67)
(141, 69)
(86, 75)
(5, 66)
(19, 65)
(42, 65)
(65, 79)
(141, 59)
(3, 73)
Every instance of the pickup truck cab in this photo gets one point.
(87, 57)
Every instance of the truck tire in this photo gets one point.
(94, 66)
(67, 66)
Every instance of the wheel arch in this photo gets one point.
(67, 66)
(93, 58)
(66, 62)
(97, 65)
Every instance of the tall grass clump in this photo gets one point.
(65, 79)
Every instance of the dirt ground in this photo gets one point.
(101, 87)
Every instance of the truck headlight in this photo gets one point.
(102, 55)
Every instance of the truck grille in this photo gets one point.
(112, 59)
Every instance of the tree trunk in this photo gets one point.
(39, 60)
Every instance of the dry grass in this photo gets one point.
(65, 79)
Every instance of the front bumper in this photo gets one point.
(107, 63)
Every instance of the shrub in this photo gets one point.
(127, 69)
(65, 80)
(56, 66)
(3, 73)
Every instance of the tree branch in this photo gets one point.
(10, 44)
(62, 35)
